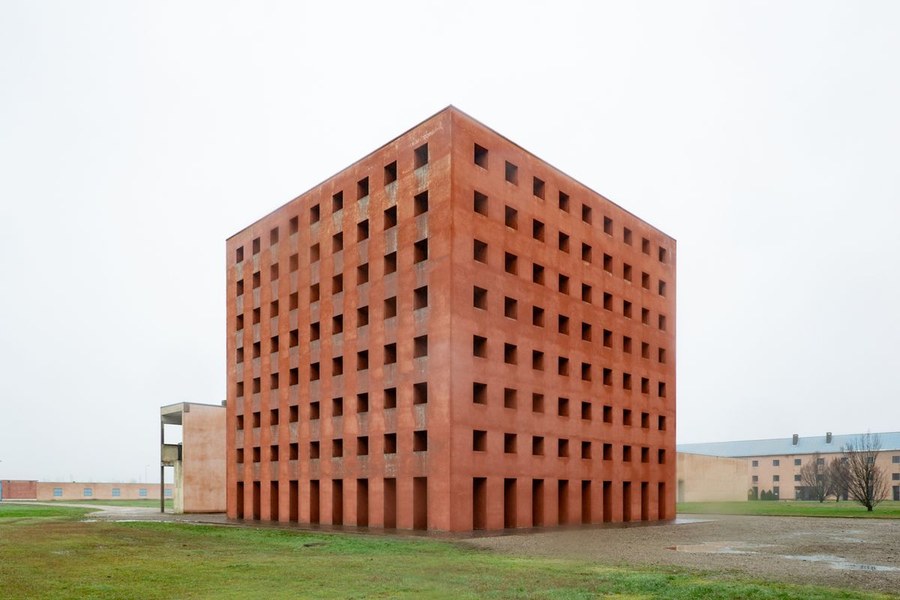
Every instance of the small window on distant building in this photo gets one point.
(142, 492)
(797, 462)
(895, 459)
(88, 492)
(57, 492)
(116, 492)
(776, 462)
(755, 463)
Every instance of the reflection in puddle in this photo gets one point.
(835, 562)
(718, 548)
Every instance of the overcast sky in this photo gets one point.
(135, 137)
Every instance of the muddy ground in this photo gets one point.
(862, 554)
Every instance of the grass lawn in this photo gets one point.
(63, 557)
(888, 509)
(139, 502)
(10, 512)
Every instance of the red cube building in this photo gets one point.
(451, 334)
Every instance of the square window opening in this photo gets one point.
(420, 203)
(510, 307)
(390, 397)
(390, 217)
(420, 251)
(390, 173)
(479, 251)
(479, 440)
(420, 297)
(479, 393)
(537, 188)
(420, 155)
(511, 173)
(420, 393)
(511, 217)
(390, 263)
(481, 156)
(362, 188)
(510, 354)
(509, 398)
(480, 203)
(420, 346)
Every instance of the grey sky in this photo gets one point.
(136, 136)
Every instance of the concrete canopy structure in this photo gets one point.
(198, 460)
(451, 334)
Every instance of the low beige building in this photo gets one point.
(199, 459)
(92, 490)
(711, 478)
(774, 465)
(82, 490)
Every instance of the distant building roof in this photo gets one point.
(890, 442)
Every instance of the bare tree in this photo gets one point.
(814, 478)
(838, 478)
(866, 481)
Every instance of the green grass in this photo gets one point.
(138, 502)
(66, 558)
(888, 509)
(27, 511)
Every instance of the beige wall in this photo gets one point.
(75, 490)
(711, 478)
(203, 461)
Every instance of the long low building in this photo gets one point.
(18, 489)
(774, 465)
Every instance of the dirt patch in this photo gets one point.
(862, 554)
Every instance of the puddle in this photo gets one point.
(837, 562)
(689, 520)
(716, 548)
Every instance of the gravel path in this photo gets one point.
(862, 554)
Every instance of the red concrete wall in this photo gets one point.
(579, 382)
(263, 420)
(17, 489)
(285, 347)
